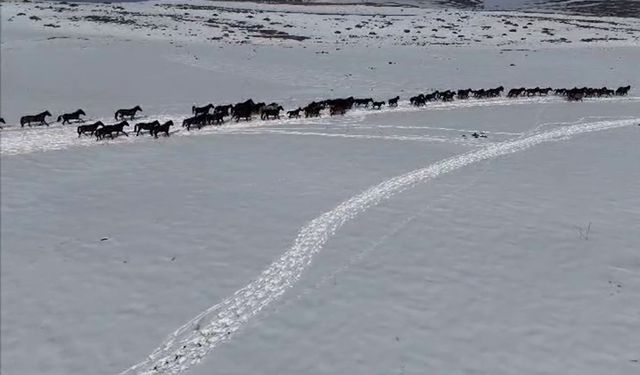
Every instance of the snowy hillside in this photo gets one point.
(383, 241)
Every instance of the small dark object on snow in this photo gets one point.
(104, 239)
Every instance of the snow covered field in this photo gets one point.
(380, 242)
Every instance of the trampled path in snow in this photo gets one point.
(16, 141)
(188, 345)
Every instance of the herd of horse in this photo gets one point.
(215, 115)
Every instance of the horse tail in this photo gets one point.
(116, 115)
(193, 109)
(59, 118)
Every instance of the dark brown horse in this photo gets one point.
(223, 109)
(109, 130)
(271, 111)
(362, 102)
(338, 109)
(200, 110)
(89, 128)
(67, 117)
(198, 121)
(313, 110)
(130, 112)
(242, 112)
(164, 128)
(216, 118)
(377, 105)
(38, 119)
(142, 126)
(294, 113)
(623, 91)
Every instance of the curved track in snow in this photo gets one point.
(188, 345)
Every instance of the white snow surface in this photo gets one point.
(379, 242)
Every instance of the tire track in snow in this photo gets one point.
(366, 136)
(188, 345)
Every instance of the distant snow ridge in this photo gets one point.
(188, 345)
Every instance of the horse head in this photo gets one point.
(137, 108)
(168, 123)
(124, 123)
(81, 112)
(46, 113)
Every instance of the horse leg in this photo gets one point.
(124, 132)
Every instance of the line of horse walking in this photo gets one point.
(215, 115)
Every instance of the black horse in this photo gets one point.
(242, 112)
(447, 96)
(294, 113)
(67, 117)
(90, 128)
(248, 104)
(377, 105)
(216, 118)
(514, 93)
(393, 102)
(575, 95)
(139, 127)
(200, 110)
(105, 130)
(463, 94)
(2, 122)
(39, 119)
(623, 91)
(560, 92)
(131, 112)
(313, 110)
(418, 100)
(164, 128)
(198, 121)
(431, 97)
(223, 109)
(362, 102)
(271, 111)
(545, 91)
(338, 109)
